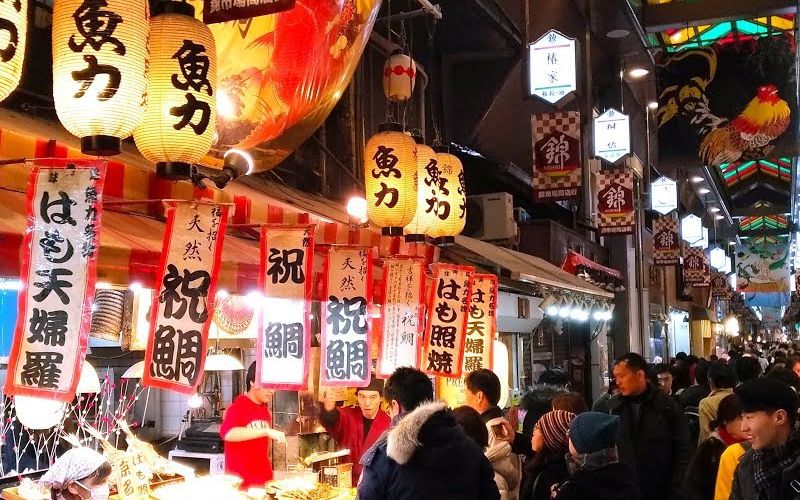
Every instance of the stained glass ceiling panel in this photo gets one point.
(674, 40)
(734, 173)
(763, 222)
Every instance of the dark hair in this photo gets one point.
(692, 359)
(680, 378)
(485, 381)
(570, 401)
(554, 376)
(786, 376)
(733, 353)
(747, 368)
(721, 376)
(660, 368)
(729, 410)
(470, 420)
(701, 372)
(792, 361)
(635, 362)
(251, 375)
(409, 387)
(680, 355)
(713, 357)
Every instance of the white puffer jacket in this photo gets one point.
(506, 465)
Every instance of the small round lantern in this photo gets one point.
(390, 172)
(399, 77)
(181, 117)
(100, 70)
(451, 211)
(13, 35)
(427, 193)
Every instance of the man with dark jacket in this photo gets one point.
(653, 433)
(425, 454)
(691, 396)
(770, 469)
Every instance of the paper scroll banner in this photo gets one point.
(182, 306)
(481, 323)
(284, 339)
(346, 324)
(58, 272)
(404, 288)
(447, 320)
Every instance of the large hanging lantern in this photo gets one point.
(451, 205)
(181, 117)
(399, 77)
(427, 193)
(390, 172)
(100, 69)
(13, 35)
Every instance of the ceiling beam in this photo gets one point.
(676, 15)
(759, 211)
(766, 232)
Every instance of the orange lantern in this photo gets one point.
(451, 203)
(399, 77)
(427, 193)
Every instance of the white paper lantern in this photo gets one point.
(427, 193)
(39, 413)
(89, 383)
(451, 214)
(399, 77)
(13, 37)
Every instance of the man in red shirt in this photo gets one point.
(356, 428)
(247, 430)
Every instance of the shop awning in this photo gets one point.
(574, 261)
(519, 266)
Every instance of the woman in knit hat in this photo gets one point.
(548, 466)
(595, 470)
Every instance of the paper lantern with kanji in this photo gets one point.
(451, 202)
(13, 35)
(399, 77)
(100, 69)
(390, 172)
(427, 193)
(180, 118)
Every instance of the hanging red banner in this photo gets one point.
(58, 272)
(696, 269)
(556, 155)
(284, 339)
(182, 307)
(402, 313)
(720, 286)
(666, 241)
(346, 325)
(447, 320)
(482, 323)
(615, 213)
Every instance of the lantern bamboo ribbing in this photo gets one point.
(427, 193)
(452, 214)
(13, 37)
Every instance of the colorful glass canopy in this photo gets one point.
(763, 222)
(674, 40)
(733, 173)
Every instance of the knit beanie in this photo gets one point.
(553, 426)
(593, 431)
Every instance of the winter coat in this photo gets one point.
(727, 467)
(744, 483)
(655, 443)
(613, 482)
(541, 473)
(426, 456)
(691, 396)
(506, 464)
(348, 431)
(708, 410)
(701, 476)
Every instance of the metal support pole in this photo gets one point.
(643, 335)
(587, 117)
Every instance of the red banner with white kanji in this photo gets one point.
(447, 320)
(284, 338)
(666, 241)
(182, 305)
(58, 273)
(481, 323)
(696, 269)
(556, 155)
(615, 210)
(346, 325)
(720, 286)
(402, 313)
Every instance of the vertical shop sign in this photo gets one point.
(132, 484)
(720, 287)
(612, 136)
(664, 195)
(403, 290)
(346, 324)
(481, 323)
(447, 320)
(58, 273)
(551, 66)
(696, 270)
(284, 338)
(181, 311)
(615, 201)
(556, 155)
(666, 241)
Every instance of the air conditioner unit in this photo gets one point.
(491, 217)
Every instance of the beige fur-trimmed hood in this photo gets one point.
(403, 439)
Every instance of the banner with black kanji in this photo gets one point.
(443, 353)
(181, 313)
(402, 313)
(481, 322)
(556, 155)
(58, 273)
(666, 241)
(615, 209)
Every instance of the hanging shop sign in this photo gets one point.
(58, 277)
(182, 305)
(481, 323)
(552, 63)
(131, 481)
(557, 155)
(447, 320)
(720, 287)
(220, 11)
(14, 22)
(664, 195)
(615, 201)
(696, 270)
(717, 258)
(762, 268)
(451, 202)
(612, 136)
(691, 229)
(402, 316)
(284, 340)
(666, 241)
(346, 324)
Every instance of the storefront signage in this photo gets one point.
(58, 277)
(557, 155)
(696, 270)
(666, 241)
(286, 277)
(220, 11)
(664, 195)
(346, 324)
(130, 478)
(612, 136)
(402, 315)
(182, 306)
(615, 201)
(551, 66)
(447, 320)
(691, 229)
(481, 323)
(719, 286)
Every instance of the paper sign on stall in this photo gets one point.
(346, 321)
(284, 339)
(481, 323)
(58, 277)
(403, 290)
(132, 484)
(181, 311)
(447, 320)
